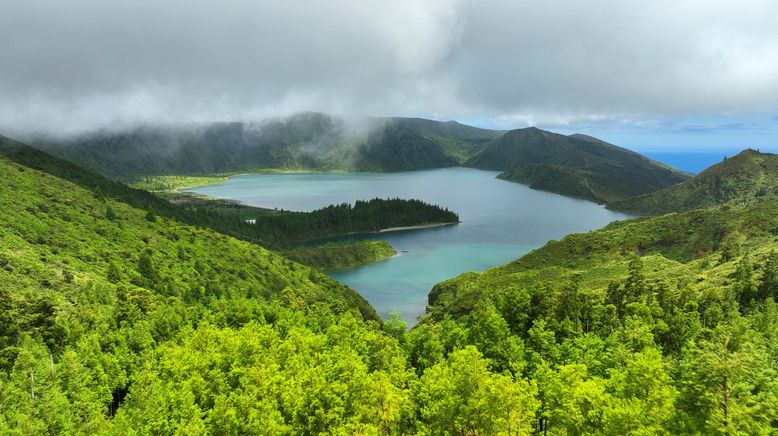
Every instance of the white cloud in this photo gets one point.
(87, 63)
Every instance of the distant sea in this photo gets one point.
(690, 161)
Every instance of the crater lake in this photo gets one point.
(501, 221)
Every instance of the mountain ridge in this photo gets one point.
(749, 176)
(311, 140)
(575, 165)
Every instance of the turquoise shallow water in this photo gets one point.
(500, 222)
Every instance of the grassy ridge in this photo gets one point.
(701, 244)
(748, 177)
(274, 229)
(659, 325)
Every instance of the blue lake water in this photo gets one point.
(500, 222)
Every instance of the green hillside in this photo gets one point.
(575, 165)
(748, 177)
(665, 325)
(304, 141)
(341, 255)
(396, 148)
(457, 140)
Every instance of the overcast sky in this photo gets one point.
(649, 74)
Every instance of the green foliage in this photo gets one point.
(575, 165)
(110, 214)
(643, 327)
(749, 177)
(461, 396)
(153, 326)
(276, 229)
(340, 255)
(170, 184)
(396, 148)
(284, 229)
(729, 381)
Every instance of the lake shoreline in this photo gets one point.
(419, 227)
(501, 221)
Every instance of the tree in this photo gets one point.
(489, 332)
(728, 383)
(745, 285)
(461, 396)
(641, 396)
(395, 326)
(114, 273)
(110, 214)
(635, 285)
(146, 268)
(572, 400)
(768, 286)
(541, 344)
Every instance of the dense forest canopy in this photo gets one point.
(286, 228)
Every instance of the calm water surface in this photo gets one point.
(500, 222)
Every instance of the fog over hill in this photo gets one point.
(303, 141)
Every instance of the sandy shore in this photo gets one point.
(423, 226)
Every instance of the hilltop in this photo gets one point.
(576, 165)
(748, 177)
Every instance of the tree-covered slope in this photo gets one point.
(67, 232)
(575, 165)
(660, 325)
(748, 177)
(341, 255)
(278, 229)
(303, 141)
(457, 140)
(115, 320)
(396, 148)
(198, 149)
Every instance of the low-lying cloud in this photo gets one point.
(83, 64)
